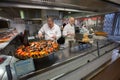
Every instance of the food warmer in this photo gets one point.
(42, 51)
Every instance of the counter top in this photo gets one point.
(63, 56)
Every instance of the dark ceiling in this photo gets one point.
(10, 8)
(93, 5)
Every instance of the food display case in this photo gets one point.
(29, 58)
(46, 55)
(6, 34)
(45, 62)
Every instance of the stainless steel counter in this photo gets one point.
(62, 57)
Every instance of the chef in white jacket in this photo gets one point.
(50, 30)
(69, 31)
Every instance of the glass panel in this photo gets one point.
(117, 26)
(108, 23)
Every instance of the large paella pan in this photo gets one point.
(35, 50)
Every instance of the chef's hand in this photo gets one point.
(54, 37)
(40, 35)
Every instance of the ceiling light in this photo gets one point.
(69, 12)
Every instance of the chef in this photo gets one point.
(50, 30)
(69, 31)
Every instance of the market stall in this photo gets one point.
(41, 59)
(33, 38)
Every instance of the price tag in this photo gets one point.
(24, 66)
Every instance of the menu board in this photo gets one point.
(23, 67)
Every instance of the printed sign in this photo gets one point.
(24, 66)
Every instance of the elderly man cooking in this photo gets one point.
(69, 31)
(50, 30)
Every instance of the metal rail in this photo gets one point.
(59, 64)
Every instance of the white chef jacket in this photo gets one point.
(69, 29)
(49, 32)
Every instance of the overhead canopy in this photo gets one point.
(117, 2)
(10, 8)
(89, 5)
